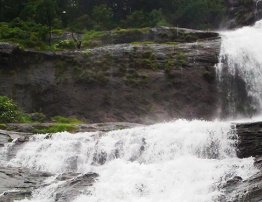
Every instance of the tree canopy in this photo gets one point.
(31, 23)
(108, 14)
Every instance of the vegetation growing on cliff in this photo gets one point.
(32, 23)
(54, 128)
(10, 113)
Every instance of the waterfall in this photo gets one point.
(240, 71)
(181, 161)
(178, 161)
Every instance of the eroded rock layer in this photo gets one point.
(121, 82)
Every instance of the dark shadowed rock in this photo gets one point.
(250, 139)
(242, 13)
(127, 82)
(249, 190)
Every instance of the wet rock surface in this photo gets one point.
(73, 187)
(245, 190)
(25, 130)
(249, 145)
(250, 139)
(18, 183)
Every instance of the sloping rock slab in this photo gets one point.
(18, 183)
(74, 186)
(249, 190)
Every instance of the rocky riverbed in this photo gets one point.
(19, 182)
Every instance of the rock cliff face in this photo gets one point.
(122, 82)
(242, 13)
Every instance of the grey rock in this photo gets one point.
(245, 190)
(18, 183)
(249, 145)
(74, 186)
(136, 83)
(250, 139)
(242, 13)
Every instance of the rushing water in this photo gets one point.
(181, 161)
(240, 59)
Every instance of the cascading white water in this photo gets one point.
(240, 57)
(181, 161)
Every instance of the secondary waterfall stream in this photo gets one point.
(240, 71)
(179, 161)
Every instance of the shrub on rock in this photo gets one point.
(9, 111)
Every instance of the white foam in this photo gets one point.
(181, 161)
(241, 56)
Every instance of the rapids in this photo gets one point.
(178, 161)
(181, 161)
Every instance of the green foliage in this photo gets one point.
(136, 19)
(197, 13)
(30, 22)
(157, 18)
(143, 19)
(65, 44)
(181, 59)
(84, 22)
(24, 118)
(27, 34)
(91, 37)
(46, 11)
(103, 17)
(9, 111)
(68, 120)
(3, 126)
(55, 128)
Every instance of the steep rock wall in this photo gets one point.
(242, 13)
(125, 82)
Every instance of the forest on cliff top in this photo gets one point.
(109, 14)
(30, 22)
